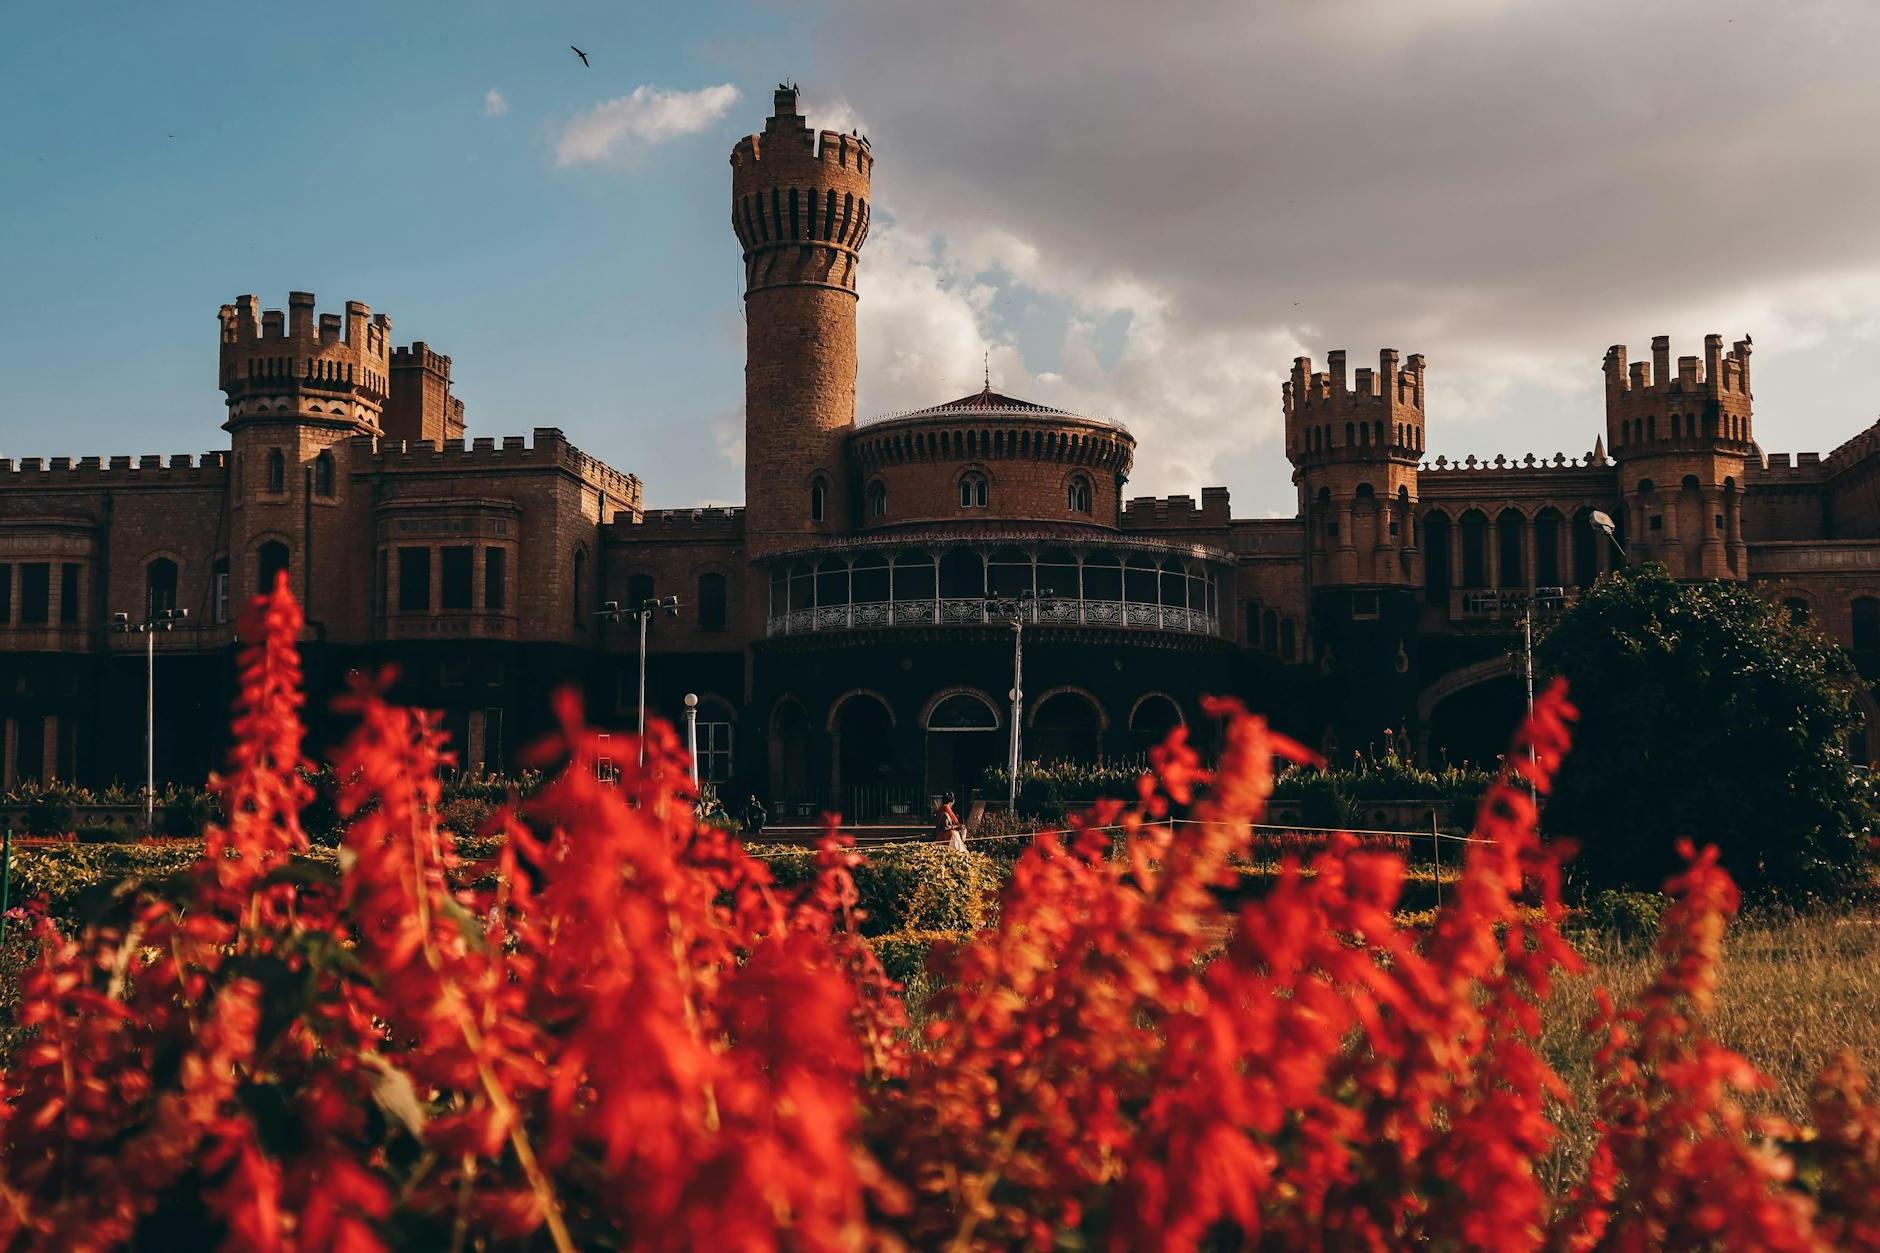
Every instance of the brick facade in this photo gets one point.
(846, 629)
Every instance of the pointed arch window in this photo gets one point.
(323, 474)
(878, 499)
(818, 500)
(277, 471)
(973, 490)
(1077, 494)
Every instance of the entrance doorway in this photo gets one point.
(866, 784)
(963, 742)
(789, 757)
(1067, 726)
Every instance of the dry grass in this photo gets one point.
(1794, 992)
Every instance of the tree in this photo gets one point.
(1706, 713)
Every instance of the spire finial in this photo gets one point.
(988, 358)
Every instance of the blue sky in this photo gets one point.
(164, 163)
(1138, 215)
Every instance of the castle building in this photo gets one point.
(848, 631)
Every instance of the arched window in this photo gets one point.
(962, 711)
(973, 490)
(218, 591)
(277, 471)
(1078, 494)
(639, 590)
(1269, 631)
(878, 499)
(323, 474)
(270, 561)
(1510, 536)
(1797, 610)
(1866, 624)
(1154, 716)
(818, 500)
(711, 601)
(1474, 549)
(1436, 542)
(159, 587)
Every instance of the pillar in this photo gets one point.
(1710, 553)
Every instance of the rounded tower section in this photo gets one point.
(800, 209)
(1681, 441)
(1354, 447)
(286, 368)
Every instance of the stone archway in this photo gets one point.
(864, 775)
(789, 755)
(1471, 714)
(963, 739)
(1065, 724)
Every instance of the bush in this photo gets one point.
(464, 816)
(906, 887)
(50, 815)
(1628, 915)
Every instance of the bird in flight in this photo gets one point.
(580, 54)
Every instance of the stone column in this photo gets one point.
(1530, 546)
(1491, 543)
(1346, 565)
(1710, 554)
(49, 748)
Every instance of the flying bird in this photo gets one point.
(580, 54)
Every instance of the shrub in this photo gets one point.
(1628, 915)
(465, 816)
(51, 814)
(906, 887)
(628, 1039)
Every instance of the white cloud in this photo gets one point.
(615, 128)
(1507, 188)
(495, 104)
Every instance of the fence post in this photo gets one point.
(6, 879)
(1436, 852)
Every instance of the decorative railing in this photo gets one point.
(973, 611)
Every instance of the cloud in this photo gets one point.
(650, 115)
(1507, 188)
(494, 103)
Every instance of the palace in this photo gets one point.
(848, 632)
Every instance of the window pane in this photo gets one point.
(458, 577)
(414, 579)
(35, 593)
(68, 593)
(711, 602)
(495, 576)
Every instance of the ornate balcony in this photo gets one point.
(963, 611)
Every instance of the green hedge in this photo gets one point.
(907, 887)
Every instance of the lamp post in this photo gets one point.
(1015, 609)
(1602, 521)
(691, 734)
(614, 611)
(156, 620)
(1542, 598)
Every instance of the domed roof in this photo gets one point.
(988, 403)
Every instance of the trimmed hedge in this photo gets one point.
(907, 887)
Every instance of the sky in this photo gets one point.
(1138, 211)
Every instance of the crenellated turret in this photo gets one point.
(1681, 441)
(277, 368)
(1354, 446)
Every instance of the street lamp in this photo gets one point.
(1602, 522)
(157, 620)
(691, 733)
(1546, 599)
(1015, 609)
(614, 611)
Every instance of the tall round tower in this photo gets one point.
(799, 206)
(1681, 441)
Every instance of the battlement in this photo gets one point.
(1856, 450)
(1718, 373)
(1310, 395)
(271, 360)
(1174, 512)
(116, 471)
(799, 202)
(550, 450)
(660, 526)
(787, 140)
(419, 356)
(1594, 460)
